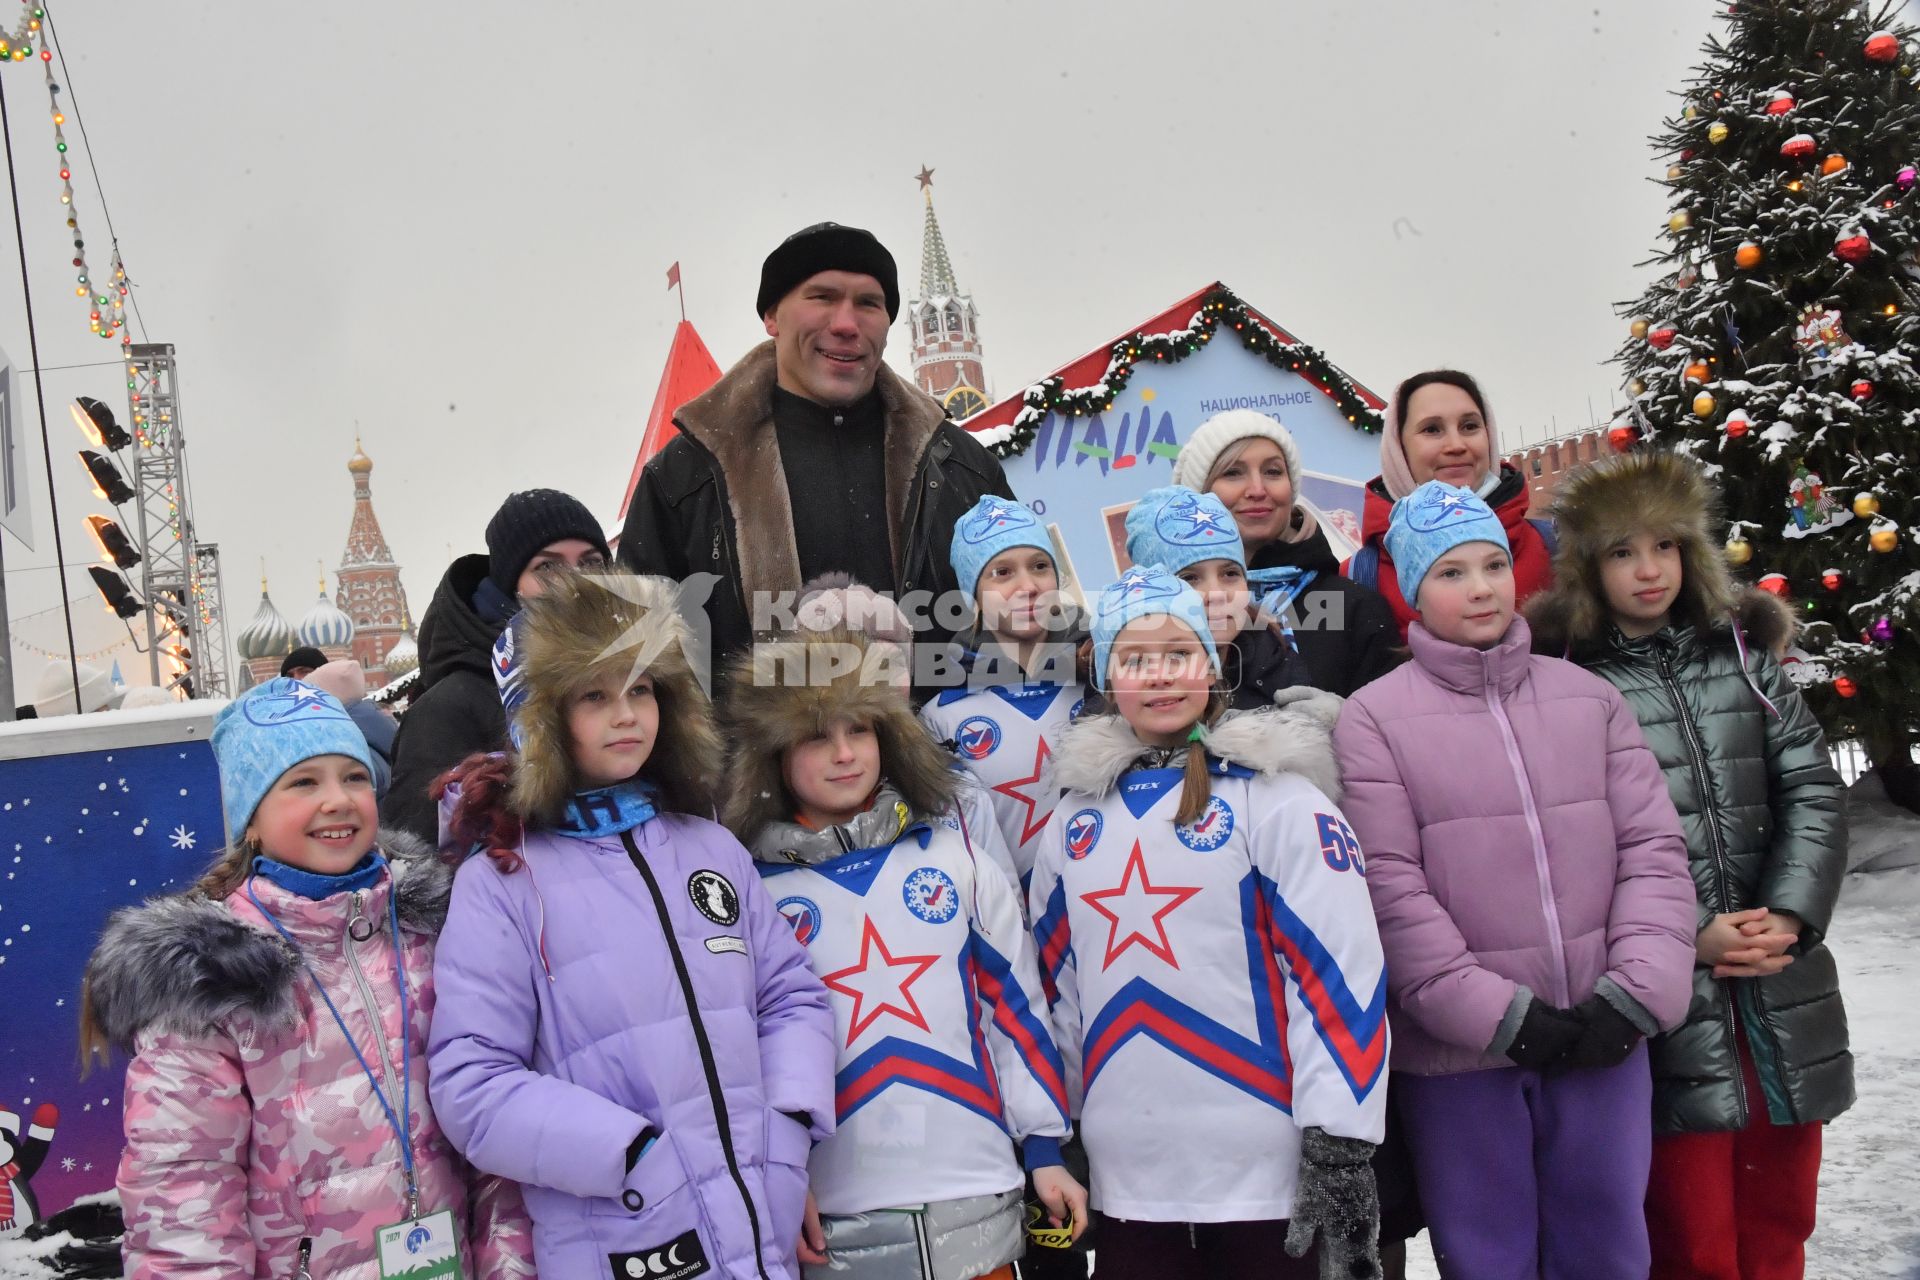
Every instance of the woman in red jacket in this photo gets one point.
(1439, 428)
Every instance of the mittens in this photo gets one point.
(1335, 1199)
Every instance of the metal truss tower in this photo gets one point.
(180, 583)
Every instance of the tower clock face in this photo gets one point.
(963, 402)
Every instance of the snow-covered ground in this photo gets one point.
(1870, 1178)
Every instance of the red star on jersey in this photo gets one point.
(883, 980)
(1032, 822)
(1134, 911)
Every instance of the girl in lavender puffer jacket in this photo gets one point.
(1531, 886)
(626, 1025)
(277, 1014)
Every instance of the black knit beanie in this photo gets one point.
(529, 521)
(826, 246)
(306, 656)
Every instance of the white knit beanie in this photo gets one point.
(1221, 432)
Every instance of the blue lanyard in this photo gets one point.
(406, 1059)
(1280, 587)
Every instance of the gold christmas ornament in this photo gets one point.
(1679, 222)
(1674, 173)
(1639, 327)
(1739, 550)
(1716, 133)
(1865, 505)
(1884, 538)
(1703, 405)
(1637, 388)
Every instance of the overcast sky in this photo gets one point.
(449, 223)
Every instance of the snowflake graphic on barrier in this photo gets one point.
(182, 838)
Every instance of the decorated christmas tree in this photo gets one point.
(1778, 346)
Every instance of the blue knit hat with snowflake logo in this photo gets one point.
(1431, 521)
(1175, 527)
(1145, 592)
(992, 525)
(271, 728)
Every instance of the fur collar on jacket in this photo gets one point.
(782, 692)
(185, 964)
(733, 420)
(1296, 737)
(1648, 491)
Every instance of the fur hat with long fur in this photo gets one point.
(786, 690)
(579, 629)
(1654, 491)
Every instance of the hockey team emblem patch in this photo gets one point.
(1210, 830)
(1083, 832)
(714, 896)
(931, 896)
(804, 915)
(977, 737)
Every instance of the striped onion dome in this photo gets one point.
(269, 635)
(325, 626)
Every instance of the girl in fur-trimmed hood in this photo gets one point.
(1198, 891)
(943, 1048)
(1644, 600)
(277, 1014)
(625, 1024)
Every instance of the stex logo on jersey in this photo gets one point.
(804, 915)
(1210, 830)
(977, 737)
(930, 894)
(1137, 910)
(880, 984)
(1033, 820)
(1083, 833)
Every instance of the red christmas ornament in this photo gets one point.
(1662, 338)
(1799, 146)
(1623, 438)
(1780, 104)
(1738, 424)
(1773, 584)
(1882, 46)
(1833, 579)
(1862, 390)
(1845, 687)
(1854, 249)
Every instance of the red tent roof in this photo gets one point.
(690, 370)
(1088, 368)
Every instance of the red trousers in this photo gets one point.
(1734, 1206)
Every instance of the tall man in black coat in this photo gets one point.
(811, 456)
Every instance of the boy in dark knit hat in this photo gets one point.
(535, 534)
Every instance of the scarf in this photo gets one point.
(314, 886)
(607, 811)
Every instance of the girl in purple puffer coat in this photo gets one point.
(626, 1025)
(1530, 881)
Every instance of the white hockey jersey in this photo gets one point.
(1006, 737)
(945, 1056)
(1215, 987)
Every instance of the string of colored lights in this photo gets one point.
(106, 304)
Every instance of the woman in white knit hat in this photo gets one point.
(1343, 630)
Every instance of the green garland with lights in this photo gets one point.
(1219, 307)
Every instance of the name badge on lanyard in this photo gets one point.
(419, 1247)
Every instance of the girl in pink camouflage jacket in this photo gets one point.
(277, 1015)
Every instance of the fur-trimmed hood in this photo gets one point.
(784, 691)
(733, 420)
(1652, 491)
(187, 963)
(1294, 737)
(579, 628)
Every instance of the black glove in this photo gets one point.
(1546, 1034)
(1606, 1037)
(1334, 1198)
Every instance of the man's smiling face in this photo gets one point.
(828, 335)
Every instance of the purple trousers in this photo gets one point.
(1530, 1175)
